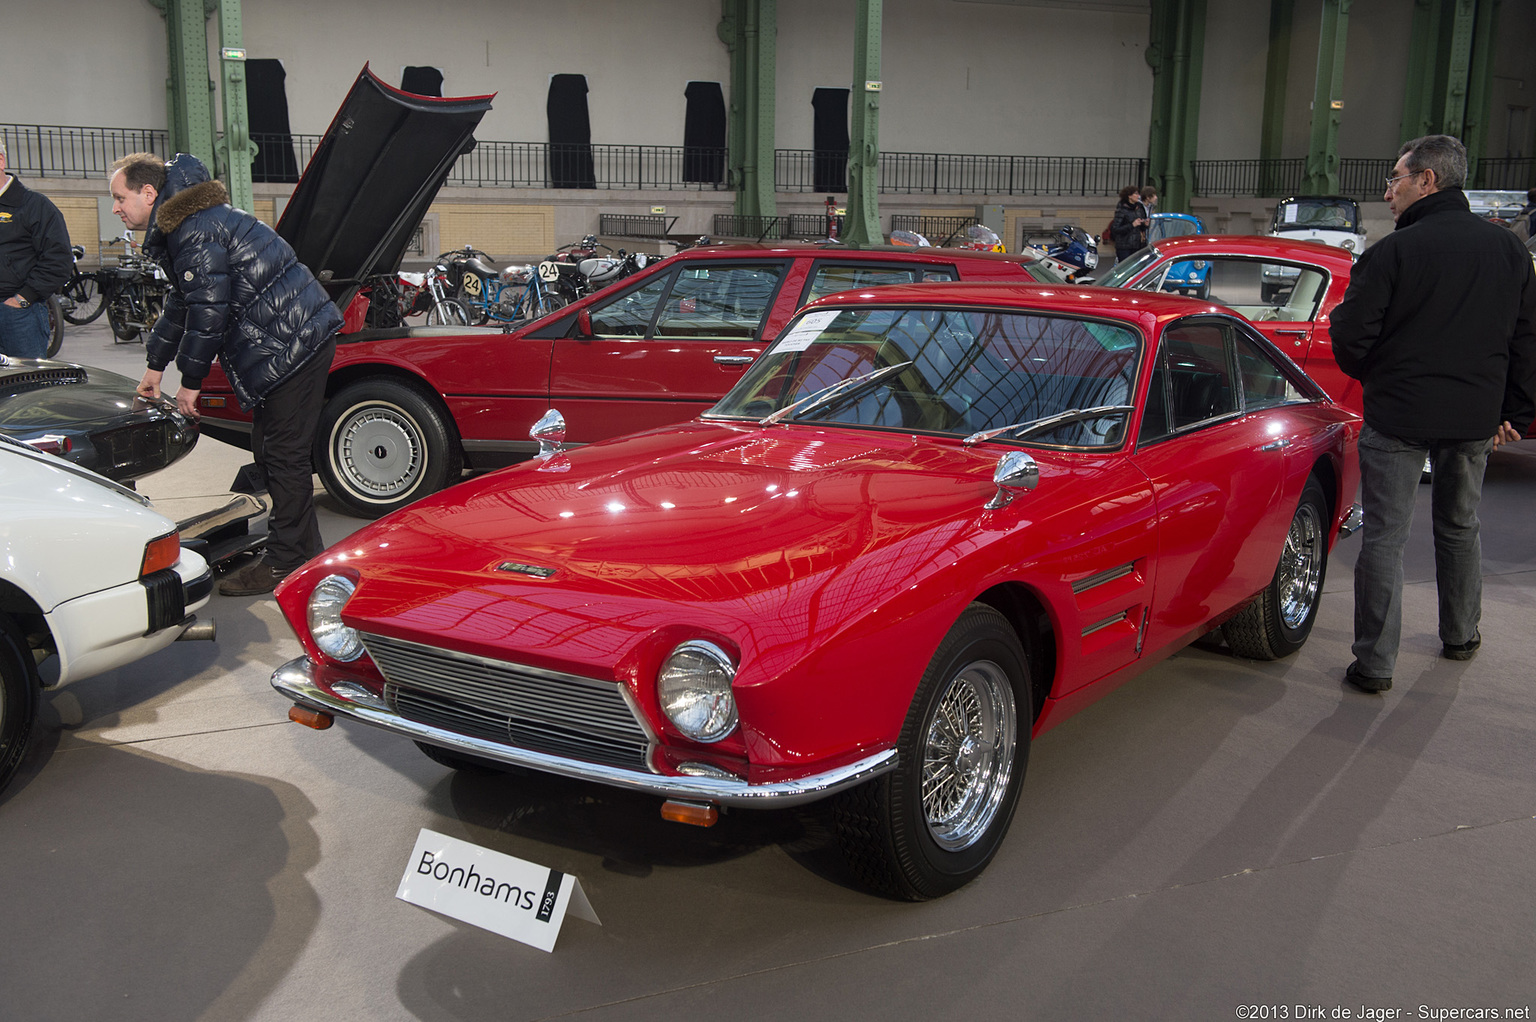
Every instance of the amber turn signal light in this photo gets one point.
(317, 719)
(695, 814)
(160, 554)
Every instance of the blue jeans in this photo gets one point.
(24, 332)
(1389, 479)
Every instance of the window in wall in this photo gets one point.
(831, 139)
(267, 106)
(570, 133)
(704, 133)
(422, 81)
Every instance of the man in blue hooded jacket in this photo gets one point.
(238, 294)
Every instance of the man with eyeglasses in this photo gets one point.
(1439, 326)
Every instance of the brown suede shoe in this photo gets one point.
(252, 580)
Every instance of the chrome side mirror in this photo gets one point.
(1016, 471)
(549, 431)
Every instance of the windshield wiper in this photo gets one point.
(826, 394)
(1024, 429)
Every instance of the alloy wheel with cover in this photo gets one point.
(384, 443)
(935, 823)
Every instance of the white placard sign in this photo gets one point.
(807, 330)
(496, 892)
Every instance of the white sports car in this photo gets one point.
(92, 577)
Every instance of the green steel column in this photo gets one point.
(1458, 66)
(767, 104)
(235, 149)
(1276, 76)
(760, 66)
(862, 223)
(1188, 140)
(1423, 48)
(1328, 100)
(732, 34)
(188, 86)
(1480, 86)
(1159, 58)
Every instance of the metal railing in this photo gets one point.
(653, 226)
(46, 150)
(807, 170)
(1360, 179)
(795, 226)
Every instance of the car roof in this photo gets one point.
(1258, 245)
(1111, 302)
(1319, 198)
(872, 253)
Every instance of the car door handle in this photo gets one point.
(1277, 445)
(733, 360)
(1292, 333)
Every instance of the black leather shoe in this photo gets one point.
(1463, 650)
(1365, 682)
(252, 580)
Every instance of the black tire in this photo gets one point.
(1278, 621)
(448, 312)
(475, 295)
(18, 697)
(84, 301)
(55, 324)
(383, 443)
(118, 310)
(935, 822)
(549, 301)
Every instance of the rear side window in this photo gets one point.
(694, 301)
(831, 278)
(1265, 384)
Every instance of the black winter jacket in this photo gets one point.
(238, 291)
(1128, 237)
(34, 245)
(1439, 325)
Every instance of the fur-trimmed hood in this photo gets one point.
(195, 199)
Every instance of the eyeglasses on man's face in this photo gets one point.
(1392, 181)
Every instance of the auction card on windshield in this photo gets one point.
(807, 330)
(496, 892)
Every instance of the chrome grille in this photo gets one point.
(546, 711)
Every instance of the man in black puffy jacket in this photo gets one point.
(240, 295)
(1439, 326)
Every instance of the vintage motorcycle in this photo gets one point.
(136, 290)
(1075, 252)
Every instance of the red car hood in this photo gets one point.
(571, 560)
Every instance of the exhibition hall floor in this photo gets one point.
(1218, 839)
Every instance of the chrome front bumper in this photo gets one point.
(296, 680)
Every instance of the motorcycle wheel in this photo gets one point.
(549, 302)
(55, 324)
(84, 301)
(117, 318)
(448, 312)
(478, 311)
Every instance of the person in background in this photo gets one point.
(34, 264)
(1439, 326)
(1129, 227)
(238, 294)
(1521, 224)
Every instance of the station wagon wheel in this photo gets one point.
(934, 823)
(18, 697)
(383, 443)
(1280, 618)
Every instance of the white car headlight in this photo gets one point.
(1349, 243)
(694, 688)
(334, 639)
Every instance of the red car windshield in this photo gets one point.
(944, 371)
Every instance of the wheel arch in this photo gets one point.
(21, 608)
(1327, 475)
(1025, 611)
(344, 377)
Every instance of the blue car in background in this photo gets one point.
(1191, 277)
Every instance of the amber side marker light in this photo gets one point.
(212, 402)
(160, 554)
(694, 814)
(317, 719)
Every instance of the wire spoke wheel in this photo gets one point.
(1301, 571)
(967, 755)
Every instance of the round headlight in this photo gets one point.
(334, 639)
(694, 687)
(1349, 243)
(1199, 264)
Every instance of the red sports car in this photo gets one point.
(929, 523)
(1286, 289)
